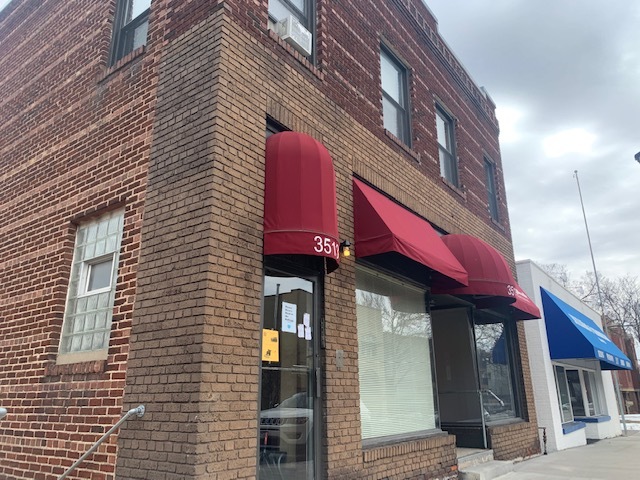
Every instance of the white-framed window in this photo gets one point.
(92, 285)
(394, 357)
(579, 393)
(566, 413)
(395, 99)
(593, 395)
(445, 129)
(492, 193)
(131, 25)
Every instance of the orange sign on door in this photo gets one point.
(270, 345)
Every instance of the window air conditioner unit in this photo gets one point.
(293, 32)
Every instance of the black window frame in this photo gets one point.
(405, 125)
(491, 187)
(452, 175)
(517, 374)
(402, 276)
(513, 354)
(273, 127)
(123, 34)
(312, 269)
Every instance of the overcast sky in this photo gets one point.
(565, 75)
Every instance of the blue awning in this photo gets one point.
(572, 334)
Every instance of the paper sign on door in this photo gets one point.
(289, 315)
(270, 345)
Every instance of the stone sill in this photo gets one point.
(403, 146)
(124, 61)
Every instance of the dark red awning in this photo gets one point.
(383, 226)
(300, 215)
(523, 307)
(489, 274)
(490, 279)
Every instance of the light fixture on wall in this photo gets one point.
(3, 412)
(345, 248)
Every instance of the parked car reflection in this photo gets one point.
(289, 423)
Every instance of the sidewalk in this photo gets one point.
(614, 458)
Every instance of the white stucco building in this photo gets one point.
(570, 359)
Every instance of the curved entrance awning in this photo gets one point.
(491, 282)
(489, 274)
(571, 334)
(385, 227)
(300, 216)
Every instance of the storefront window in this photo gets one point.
(575, 392)
(582, 397)
(496, 382)
(593, 398)
(563, 395)
(394, 359)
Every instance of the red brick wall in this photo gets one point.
(628, 379)
(347, 71)
(78, 138)
(515, 441)
(74, 144)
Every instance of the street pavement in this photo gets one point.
(613, 458)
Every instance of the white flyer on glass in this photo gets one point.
(289, 314)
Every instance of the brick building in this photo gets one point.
(179, 183)
(628, 380)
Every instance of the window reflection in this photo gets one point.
(495, 373)
(563, 395)
(287, 379)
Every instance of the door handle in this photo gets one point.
(318, 382)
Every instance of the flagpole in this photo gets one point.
(616, 384)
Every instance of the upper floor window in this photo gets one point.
(492, 194)
(90, 299)
(446, 146)
(130, 27)
(395, 104)
(303, 12)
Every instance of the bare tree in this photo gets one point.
(621, 299)
(559, 272)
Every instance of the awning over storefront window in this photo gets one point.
(491, 282)
(524, 308)
(572, 335)
(300, 216)
(383, 227)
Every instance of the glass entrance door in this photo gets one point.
(459, 397)
(289, 369)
